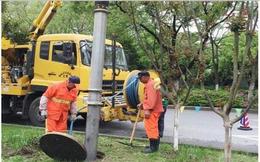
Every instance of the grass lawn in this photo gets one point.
(21, 144)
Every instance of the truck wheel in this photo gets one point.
(35, 115)
(6, 109)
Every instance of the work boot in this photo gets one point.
(158, 143)
(153, 146)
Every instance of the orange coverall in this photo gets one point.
(58, 105)
(152, 101)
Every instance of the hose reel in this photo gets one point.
(134, 93)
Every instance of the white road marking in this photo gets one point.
(250, 137)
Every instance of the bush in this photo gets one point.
(218, 98)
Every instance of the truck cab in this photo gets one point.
(53, 64)
(54, 58)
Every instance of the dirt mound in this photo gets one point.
(25, 151)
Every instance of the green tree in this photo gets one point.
(225, 55)
(72, 17)
(163, 30)
(157, 27)
(119, 28)
(15, 20)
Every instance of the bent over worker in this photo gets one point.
(152, 106)
(57, 101)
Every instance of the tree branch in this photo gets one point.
(211, 104)
(234, 7)
(140, 39)
(149, 31)
(118, 4)
(235, 84)
(245, 111)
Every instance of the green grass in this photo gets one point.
(21, 144)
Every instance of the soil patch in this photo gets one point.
(25, 151)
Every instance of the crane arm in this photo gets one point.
(44, 18)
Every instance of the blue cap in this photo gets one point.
(74, 79)
(143, 73)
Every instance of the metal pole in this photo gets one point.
(114, 70)
(96, 77)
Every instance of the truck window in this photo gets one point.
(120, 58)
(57, 53)
(86, 49)
(44, 50)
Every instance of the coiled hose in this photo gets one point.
(132, 91)
(131, 96)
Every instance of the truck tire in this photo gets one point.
(34, 113)
(6, 109)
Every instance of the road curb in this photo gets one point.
(208, 109)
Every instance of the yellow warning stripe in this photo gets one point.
(60, 100)
(157, 86)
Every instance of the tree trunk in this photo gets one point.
(215, 61)
(252, 82)
(216, 69)
(228, 137)
(175, 129)
(216, 87)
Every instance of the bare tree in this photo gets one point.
(173, 53)
(245, 21)
(158, 36)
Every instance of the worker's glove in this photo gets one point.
(73, 117)
(140, 106)
(43, 113)
(147, 114)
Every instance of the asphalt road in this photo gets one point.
(204, 128)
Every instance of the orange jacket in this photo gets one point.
(152, 97)
(59, 100)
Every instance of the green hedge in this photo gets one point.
(218, 98)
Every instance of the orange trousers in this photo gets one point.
(151, 125)
(56, 125)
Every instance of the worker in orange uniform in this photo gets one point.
(57, 101)
(165, 103)
(152, 106)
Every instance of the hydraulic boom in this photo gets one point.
(44, 18)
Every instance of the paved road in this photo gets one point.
(204, 128)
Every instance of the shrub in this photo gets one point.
(218, 98)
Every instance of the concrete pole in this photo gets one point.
(96, 77)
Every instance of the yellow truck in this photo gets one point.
(27, 70)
